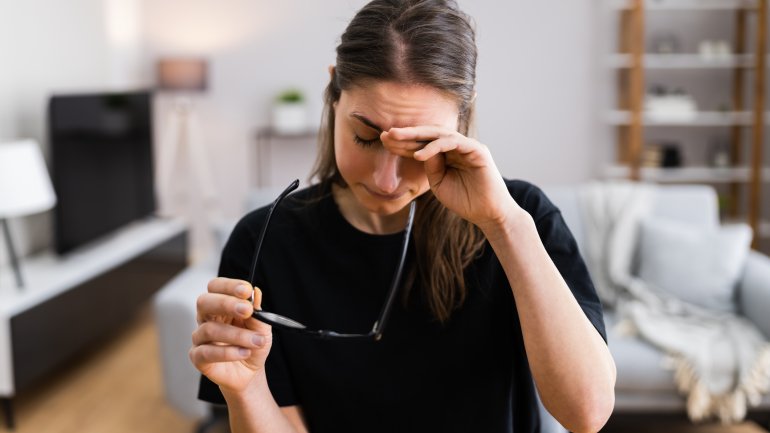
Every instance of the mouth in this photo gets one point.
(394, 196)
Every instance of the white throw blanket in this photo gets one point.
(721, 362)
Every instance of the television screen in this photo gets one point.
(101, 164)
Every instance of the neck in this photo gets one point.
(365, 220)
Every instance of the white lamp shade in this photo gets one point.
(25, 187)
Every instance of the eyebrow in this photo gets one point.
(366, 122)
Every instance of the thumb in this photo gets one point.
(435, 169)
(254, 324)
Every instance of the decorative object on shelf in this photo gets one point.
(652, 156)
(671, 155)
(25, 189)
(719, 154)
(289, 113)
(664, 104)
(666, 43)
(714, 50)
(184, 78)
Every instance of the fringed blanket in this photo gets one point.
(721, 362)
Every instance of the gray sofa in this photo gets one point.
(642, 385)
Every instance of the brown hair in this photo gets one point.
(421, 42)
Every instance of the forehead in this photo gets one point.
(390, 104)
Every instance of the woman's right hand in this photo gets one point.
(229, 346)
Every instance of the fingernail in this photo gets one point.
(244, 352)
(242, 309)
(242, 290)
(258, 340)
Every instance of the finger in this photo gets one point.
(404, 149)
(210, 353)
(215, 304)
(254, 324)
(228, 286)
(435, 147)
(459, 145)
(214, 332)
(420, 133)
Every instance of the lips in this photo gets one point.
(394, 196)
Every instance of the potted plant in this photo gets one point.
(289, 114)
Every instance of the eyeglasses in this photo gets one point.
(292, 325)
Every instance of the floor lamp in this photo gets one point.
(183, 78)
(25, 189)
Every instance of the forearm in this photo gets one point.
(256, 411)
(570, 362)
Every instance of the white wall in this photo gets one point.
(46, 47)
(536, 104)
(537, 86)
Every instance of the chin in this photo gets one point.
(383, 207)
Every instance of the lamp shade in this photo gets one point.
(182, 74)
(25, 187)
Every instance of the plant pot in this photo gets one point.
(289, 118)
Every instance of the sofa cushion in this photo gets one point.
(639, 364)
(699, 265)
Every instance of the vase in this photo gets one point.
(289, 118)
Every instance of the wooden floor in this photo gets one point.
(117, 387)
(678, 424)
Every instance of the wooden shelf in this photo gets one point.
(764, 229)
(709, 175)
(683, 61)
(748, 66)
(687, 5)
(701, 118)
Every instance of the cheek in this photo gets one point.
(353, 162)
(414, 172)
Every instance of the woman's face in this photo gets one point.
(382, 182)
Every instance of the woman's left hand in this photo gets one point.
(461, 172)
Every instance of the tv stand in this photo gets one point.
(72, 301)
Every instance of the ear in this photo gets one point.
(331, 71)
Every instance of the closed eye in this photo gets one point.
(365, 143)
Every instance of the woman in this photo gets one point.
(495, 297)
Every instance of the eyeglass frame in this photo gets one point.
(286, 323)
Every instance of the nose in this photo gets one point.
(387, 172)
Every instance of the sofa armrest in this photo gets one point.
(174, 308)
(754, 291)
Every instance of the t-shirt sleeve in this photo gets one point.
(562, 248)
(236, 263)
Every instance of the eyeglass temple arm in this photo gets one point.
(379, 325)
(254, 262)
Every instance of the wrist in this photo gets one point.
(236, 396)
(511, 220)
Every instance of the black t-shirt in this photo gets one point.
(469, 374)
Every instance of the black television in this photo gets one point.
(101, 164)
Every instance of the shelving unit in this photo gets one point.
(745, 172)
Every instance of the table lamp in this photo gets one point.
(25, 189)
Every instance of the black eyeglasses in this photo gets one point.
(285, 323)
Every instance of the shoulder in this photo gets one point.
(246, 231)
(531, 198)
(298, 202)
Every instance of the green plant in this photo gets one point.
(290, 96)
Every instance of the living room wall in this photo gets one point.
(536, 102)
(47, 47)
